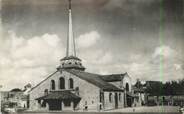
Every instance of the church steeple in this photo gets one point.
(70, 51)
(71, 61)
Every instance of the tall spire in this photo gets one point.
(70, 51)
(71, 61)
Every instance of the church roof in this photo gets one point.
(60, 95)
(95, 79)
(113, 77)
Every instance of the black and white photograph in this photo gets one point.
(92, 56)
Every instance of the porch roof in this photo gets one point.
(60, 95)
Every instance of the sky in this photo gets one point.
(144, 38)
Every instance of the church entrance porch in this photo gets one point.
(60, 100)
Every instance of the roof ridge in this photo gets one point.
(115, 74)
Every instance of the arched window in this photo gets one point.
(46, 92)
(53, 85)
(61, 83)
(119, 96)
(110, 97)
(70, 83)
(127, 87)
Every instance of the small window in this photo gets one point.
(70, 63)
(46, 92)
(53, 87)
(110, 97)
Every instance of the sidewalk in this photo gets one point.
(148, 109)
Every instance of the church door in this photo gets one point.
(55, 105)
(116, 100)
(129, 101)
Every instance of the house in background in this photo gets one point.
(140, 96)
(167, 94)
(16, 98)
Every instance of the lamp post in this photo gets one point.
(0, 99)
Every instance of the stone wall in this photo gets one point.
(111, 105)
(125, 80)
(88, 92)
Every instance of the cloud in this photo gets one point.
(135, 56)
(139, 65)
(29, 59)
(39, 50)
(177, 66)
(88, 39)
(32, 59)
(164, 54)
(106, 58)
(164, 51)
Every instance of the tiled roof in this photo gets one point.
(95, 79)
(113, 77)
(60, 95)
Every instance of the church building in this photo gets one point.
(71, 88)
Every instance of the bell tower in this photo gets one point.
(71, 61)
